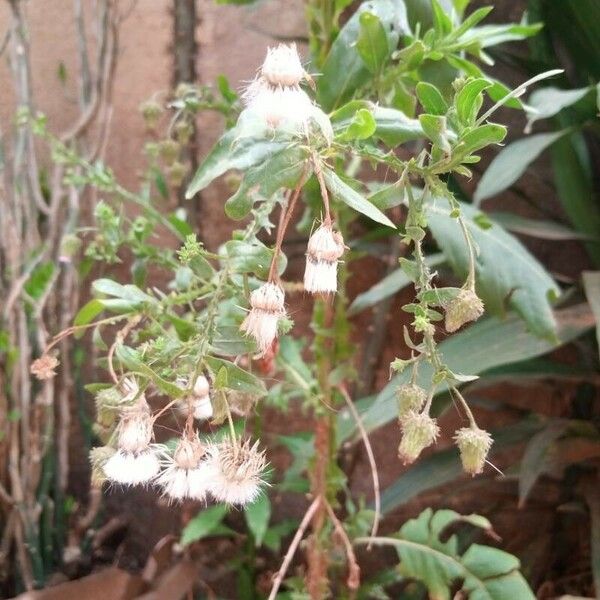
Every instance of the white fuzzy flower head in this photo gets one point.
(201, 387)
(185, 474)
(419, 431)
(135, 461)
(199, 401)
(474, 445)
(325, 248)
(411, 398)
(236, 472)
(282, 66)
(267, 307)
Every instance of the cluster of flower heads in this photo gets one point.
(276, 101)
(420, 430)
(229, 471)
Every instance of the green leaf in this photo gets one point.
(353, 199)
(469, 99)
(372, 42)
(441, 20)
(344, 70)
(257, 517)
(492, 35)
(591, 285)
(482, 572)
(203, 524)
(237, 378)
(246, 257)
(361, 127)
(434, 127)
(431, 99)
(388, 286)
(537, 228)
(231, 153)
(475, 17)
(506, 273)
(88, 312)
(39, 280)
(280, 170)
(480, 137)
(394, 127)
(549, 101)
(511, 162)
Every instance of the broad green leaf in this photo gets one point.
(469, 99)
(511, 162)
(480, 137)
(388, 286)
(431, 99)
(342, 191)
(280, 170)
(344, 70)
(538, 228)
(39, 279)
(203, 524)
(483, 572)
(394, 127)
(548, 101)
(487, 344)
(237, 378)
(255, 257)
(591, 285)
(506, 273)
(231, 153)
(257, 517)
(372, 42)
(127, 292)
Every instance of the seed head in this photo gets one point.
(419, 431)
(43, 367)
(236, 472)
(411, 398)
(325, 247)
(282, 66)
(466, 307)
(474, 445)
(267, 304)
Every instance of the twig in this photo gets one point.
(324, 193)
(371, 457)
(353, 581)
(287, 559)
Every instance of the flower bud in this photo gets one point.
(411, 398)
(176, 173)
(325, 247)
(69, 247)
(466, 307)
(183, 132)
(267, 304)
(474, 445)
(169, 150)
(201, 387)
(151, 112)
(419, 431)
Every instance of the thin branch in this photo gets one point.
(312, 509)
(371, 457)
(353, 581)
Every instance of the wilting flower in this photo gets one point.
(135, 460)
(236, 472)
(325, 247)
(419, 430)
(267, 307)
(411, 398)
(185, 474)
(275, 100)
(474, 445)
(43, 367)
(466, 307)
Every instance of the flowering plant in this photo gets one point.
(206, 346)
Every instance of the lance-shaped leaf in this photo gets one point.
(372, 43)
(342, 191)
(237, 378)
(506, 273)
(231, 153)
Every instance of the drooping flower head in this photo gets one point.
(237, 471)
(199, 401)
(267, 307)
(474, 445)
(185, 473)
(282, 66)
(419, 431)
(411, 398)
(466, 307)
(135, 461)
(325, 248)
